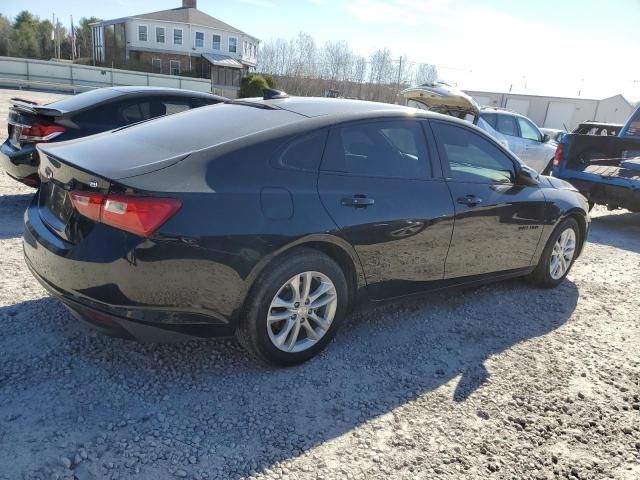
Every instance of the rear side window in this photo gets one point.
(394, 148)
(471, 158)
(507, 124)
(303, 153)
(490, 118)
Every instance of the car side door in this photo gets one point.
(536, 154)
(498, 223)
(507, 125)
(379, 184)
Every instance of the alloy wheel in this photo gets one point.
(562, 253)
(302, 311)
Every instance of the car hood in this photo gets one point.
(553, 182)
(443, 98)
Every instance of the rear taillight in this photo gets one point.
(558, 156)
(40, 132)
(139, 215)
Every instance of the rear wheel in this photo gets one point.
(558, 255)
(295, 308)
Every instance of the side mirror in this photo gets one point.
(545, 138)
(527, 176)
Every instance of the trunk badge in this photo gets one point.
(93, 184)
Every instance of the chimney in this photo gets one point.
(189, 3)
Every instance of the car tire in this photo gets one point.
(260, 335)
(545, 275)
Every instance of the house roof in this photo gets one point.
(221, 60)
(189, 15)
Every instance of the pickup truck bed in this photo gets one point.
(606, 169)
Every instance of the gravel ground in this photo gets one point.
(502, 381)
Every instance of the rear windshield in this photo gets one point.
(84, 100)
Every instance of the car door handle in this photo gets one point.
(358, 201)
(470, 200)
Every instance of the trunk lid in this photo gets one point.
(442, 98)
(24, 114)
(58, 179)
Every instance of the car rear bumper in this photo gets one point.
(20, 163)
(91, 290)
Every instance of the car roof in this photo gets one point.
(312, 107)
(91, 98)
(504, 111)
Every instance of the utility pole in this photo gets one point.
(398, 81)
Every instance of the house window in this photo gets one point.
(156, 65)
(233, 44)
(215, 43)
(160, 34)
(199, 39)
(177, 36)
(174, 66)
(142, 33)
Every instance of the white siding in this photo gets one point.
(188, 39)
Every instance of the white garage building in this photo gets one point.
(558, 112)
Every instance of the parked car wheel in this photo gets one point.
(295, 308)
(558, 255)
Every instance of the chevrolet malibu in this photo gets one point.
(272, 218)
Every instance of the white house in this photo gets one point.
(176, 41)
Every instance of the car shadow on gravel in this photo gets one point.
(619, 230)
(218, 411)
(12, 209)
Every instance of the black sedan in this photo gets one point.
(272, 218)
(82, 115)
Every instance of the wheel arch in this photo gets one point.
(336, 248)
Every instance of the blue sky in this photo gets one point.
(554, 47)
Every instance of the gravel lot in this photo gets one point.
(503, 381)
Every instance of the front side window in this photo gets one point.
(160, 34)
(394, 148)
(471, 158)
(506, 124)
(199, 39)
(177, 36)
(528, 130)
(142, 33)
(215, 42)
(233, 44)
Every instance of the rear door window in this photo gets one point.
(506, 124)
(394, 148)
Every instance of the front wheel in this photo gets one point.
(558, 255)
(295, 308)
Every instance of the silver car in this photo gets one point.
(525, 139)
(512, 130)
